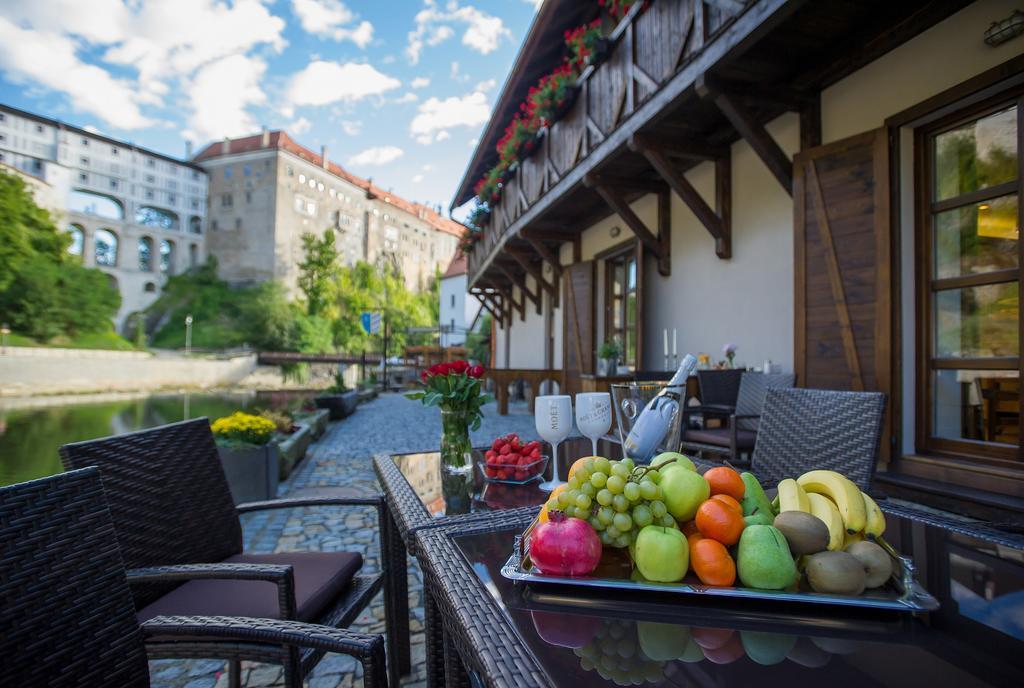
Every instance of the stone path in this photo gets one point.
(340, 464)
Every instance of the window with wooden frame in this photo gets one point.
(969, 284)
(622, 277)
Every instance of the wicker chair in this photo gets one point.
(738, 436)
(67, 617)
(181, 541)
(805, 429)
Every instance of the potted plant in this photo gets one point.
(455, 388)
(587, 45)
(292, 439)
(248, 456)
(608, 357)
(338, 399)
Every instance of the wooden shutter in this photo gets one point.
(578, 329)
(843, 300)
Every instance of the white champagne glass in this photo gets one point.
(594, 415)
(553, 417)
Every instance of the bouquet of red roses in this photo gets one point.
(456, 388)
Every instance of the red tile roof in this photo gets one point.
(458, 266)
(281, 140)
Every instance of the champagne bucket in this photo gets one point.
(631, 398)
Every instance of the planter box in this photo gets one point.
(316, 420)
(293, 448)
(252, 472)
(339, 405)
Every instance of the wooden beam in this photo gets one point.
(617, 203)
(521, 283)
(510, 294)
(723, 201)
(731, 6)
(491, 305)
(484, 303)
(533, 270)
(628, 184)
(690, 196)
(545, 252)
(677, 147)
(753, 132)
(810, 124)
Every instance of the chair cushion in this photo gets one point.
(320, 577)
(720, 437)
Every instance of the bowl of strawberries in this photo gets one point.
(512, 461)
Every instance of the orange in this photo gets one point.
(729, 501)
(543, 516)
(711, 562)
(719, 521)
(724, 480)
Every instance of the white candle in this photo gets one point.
(666, 342)
(674, 350)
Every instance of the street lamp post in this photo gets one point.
(188, 334)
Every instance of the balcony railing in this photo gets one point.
(650, 47)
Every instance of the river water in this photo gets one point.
(32, 430)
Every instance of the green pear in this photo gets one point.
(662, 554)
(673, 460)
(662, 642)
(767, 648)
(764, 559)
(683, 492)
(755, 501)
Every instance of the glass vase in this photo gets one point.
(456, 450)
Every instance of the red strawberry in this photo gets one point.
(520, 475)
(535, 454)
(489, 454)
(497, 444)
(505, 450)
(490, 472)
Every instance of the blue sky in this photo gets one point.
(397, 89)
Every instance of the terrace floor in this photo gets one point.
(340, 464)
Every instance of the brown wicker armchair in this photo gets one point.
(181, 540)
(67, 617)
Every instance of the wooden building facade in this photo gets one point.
(833, 186)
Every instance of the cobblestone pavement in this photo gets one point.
(340, 464)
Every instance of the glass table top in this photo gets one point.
(601, 638)
(445, 495)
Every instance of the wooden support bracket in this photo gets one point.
(533, 270)
(489, 305)
(521, 283)
(716, 223)
(752, 131)
(546, 253)
(655, 244)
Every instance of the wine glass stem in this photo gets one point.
(554, 464)
(593, 441)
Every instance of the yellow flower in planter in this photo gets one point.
(243, 428)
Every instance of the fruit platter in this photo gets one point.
(667, 527)
(512, 461)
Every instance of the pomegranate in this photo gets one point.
(565, 546)
(565, 630)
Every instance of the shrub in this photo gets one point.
(282, 421)
(242, 428)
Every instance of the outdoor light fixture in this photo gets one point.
(615, 231)
(1005, 29)
(188, 333)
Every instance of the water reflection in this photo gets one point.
(31, 431)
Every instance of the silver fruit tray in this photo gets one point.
(901, 593)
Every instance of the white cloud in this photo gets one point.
(329, 82)
(473, 142)
(482, 32)
(485, 86)
(435, 116)
(536, 3)
(351, 127)
(299, 126)
(442, 136)
(379, 155)
(408, 97)
(428, 167)
(417, 179)
(47, 59)
(420, 82)
(219, 95)
(332, 19)
(454, 72)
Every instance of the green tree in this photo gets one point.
(317, 270)
(26, 230)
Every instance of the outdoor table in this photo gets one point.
(416, 500)
(501, 634)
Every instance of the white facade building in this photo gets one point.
(137, 215)
(458, 312)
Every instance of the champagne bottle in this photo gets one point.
(653, 423)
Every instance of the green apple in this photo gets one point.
(662, 642)
(767, 648)
(674, 460)
(662, 554)
(693, 653)
(684, 491)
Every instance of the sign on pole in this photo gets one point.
(371, 322)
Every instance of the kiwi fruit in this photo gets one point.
(876, 561)
(836, 572)
(805, 533)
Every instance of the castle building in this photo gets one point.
(266, 191)
(137, 215)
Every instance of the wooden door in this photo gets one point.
(843, 299)
(578, 325)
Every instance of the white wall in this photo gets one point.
(462, 312)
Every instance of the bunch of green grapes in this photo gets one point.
(617, 498)
(616, 655)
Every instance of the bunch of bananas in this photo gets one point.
(851, 515)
